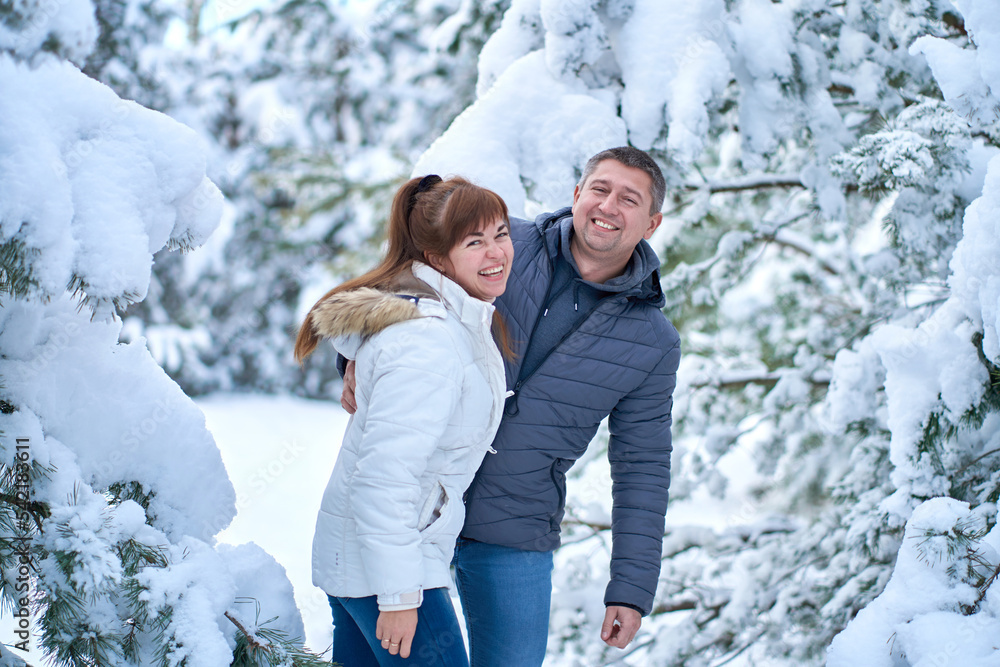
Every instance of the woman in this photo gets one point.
(430, 394)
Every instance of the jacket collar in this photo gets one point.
(642, 275)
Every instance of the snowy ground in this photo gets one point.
(279, 452)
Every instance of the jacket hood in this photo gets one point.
(362, 312)
(641, 279)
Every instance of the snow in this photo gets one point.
(975, 279)
(520, 33)
(961, 83)
(70, 23)
(672, 69)
(932, 363)
(118, 412)
(926, 628)
(851, 398)
(114, 180)
(983, 23)
(279, 452)
(554, 128)
(198, 602)
(575, 37)
(763, 65)
(969, 78)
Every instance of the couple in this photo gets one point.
(457, 400)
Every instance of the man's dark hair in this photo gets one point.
(637, 159)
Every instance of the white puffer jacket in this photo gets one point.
(430, 394)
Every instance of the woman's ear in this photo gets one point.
(435, 260)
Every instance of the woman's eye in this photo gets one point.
(502, 235)
(474, 242)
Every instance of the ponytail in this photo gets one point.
(429, 216)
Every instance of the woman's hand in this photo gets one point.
(395, 629)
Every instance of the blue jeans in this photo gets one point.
(505, 597)
(437, 642)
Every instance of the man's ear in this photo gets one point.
(654, 222)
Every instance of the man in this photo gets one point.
(583, 308)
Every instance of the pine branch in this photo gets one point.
(975, 461)
(249, 636)
(39, 511)
(593, 525)
(786, 242)
(762, 182)
(270, 647)
(739, 651)
(15, 272)
(986, 587)
(670, 607)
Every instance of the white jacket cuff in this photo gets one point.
(400, 601)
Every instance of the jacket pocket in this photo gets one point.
(433, 508)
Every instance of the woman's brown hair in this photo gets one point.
(429, 216)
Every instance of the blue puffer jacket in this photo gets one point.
(621, 361)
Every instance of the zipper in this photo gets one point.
(512, 400)
(560, 490)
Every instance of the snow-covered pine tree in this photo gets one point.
(941, 410)
(818, 175)
(112, 487)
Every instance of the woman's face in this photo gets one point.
(480, 262)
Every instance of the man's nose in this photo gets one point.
(609, 203)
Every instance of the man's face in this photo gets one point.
(611, 214)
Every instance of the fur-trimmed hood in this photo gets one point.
(363, 312)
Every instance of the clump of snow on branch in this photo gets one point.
(119, 181)
(919, 616)
(533, 145)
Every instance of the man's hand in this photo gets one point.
(620, 626)
(395, 629)
(350, 384)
